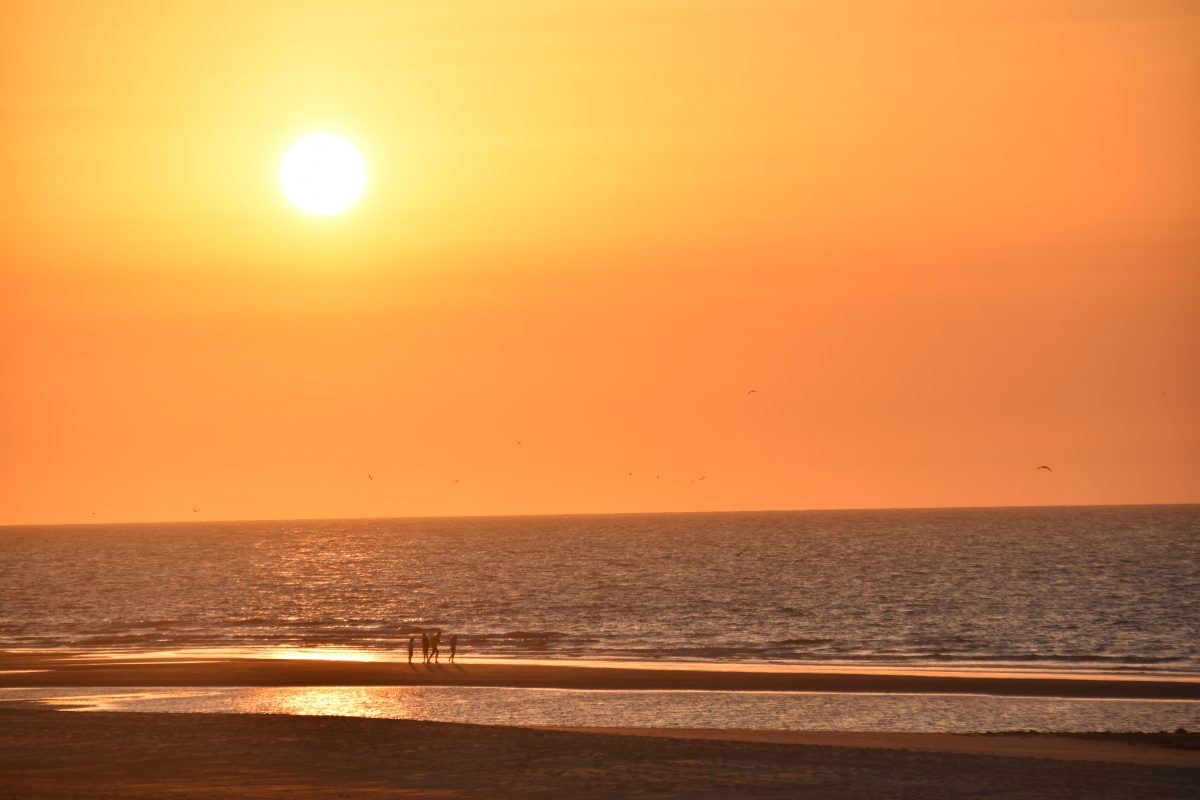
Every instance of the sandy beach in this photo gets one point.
(63, 669)
(47, 754)
(53, 755)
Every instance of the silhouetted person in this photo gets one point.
(425, 648)
(410, 649)
(433, 645)
(453, 647)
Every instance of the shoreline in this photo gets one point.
(27, 669)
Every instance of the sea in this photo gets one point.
(1110, 589)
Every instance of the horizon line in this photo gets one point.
(194, 521)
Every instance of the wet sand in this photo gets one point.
(1159, 749)
(54, 755)
(62, 669)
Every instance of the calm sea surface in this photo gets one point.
(1109, 588)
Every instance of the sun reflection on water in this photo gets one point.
(206, 655)
(686, 709)
(335, 701)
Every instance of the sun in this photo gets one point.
(322, 174)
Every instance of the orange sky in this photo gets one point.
(946, 242)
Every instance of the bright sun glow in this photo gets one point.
(322, 174)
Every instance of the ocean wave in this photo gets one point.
(525, 636)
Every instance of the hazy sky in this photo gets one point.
(946, 242)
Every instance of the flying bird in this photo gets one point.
(1043, 466)
(752, 391)
(369, 477)
(195, 511)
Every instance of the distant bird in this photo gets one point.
(369, 477)
(752, 391)
(195, 511)
(740, 552)
(1043, 466)
(702, 477)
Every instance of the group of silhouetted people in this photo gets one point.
(431, 647)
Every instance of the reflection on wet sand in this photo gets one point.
(795, 711)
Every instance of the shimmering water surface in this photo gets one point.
(755, 710)
(1110, 588)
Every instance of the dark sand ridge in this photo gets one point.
(1163, 749)
(55, 755)
(66, 669)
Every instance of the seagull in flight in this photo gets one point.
(1043, 466)
(752, 391)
